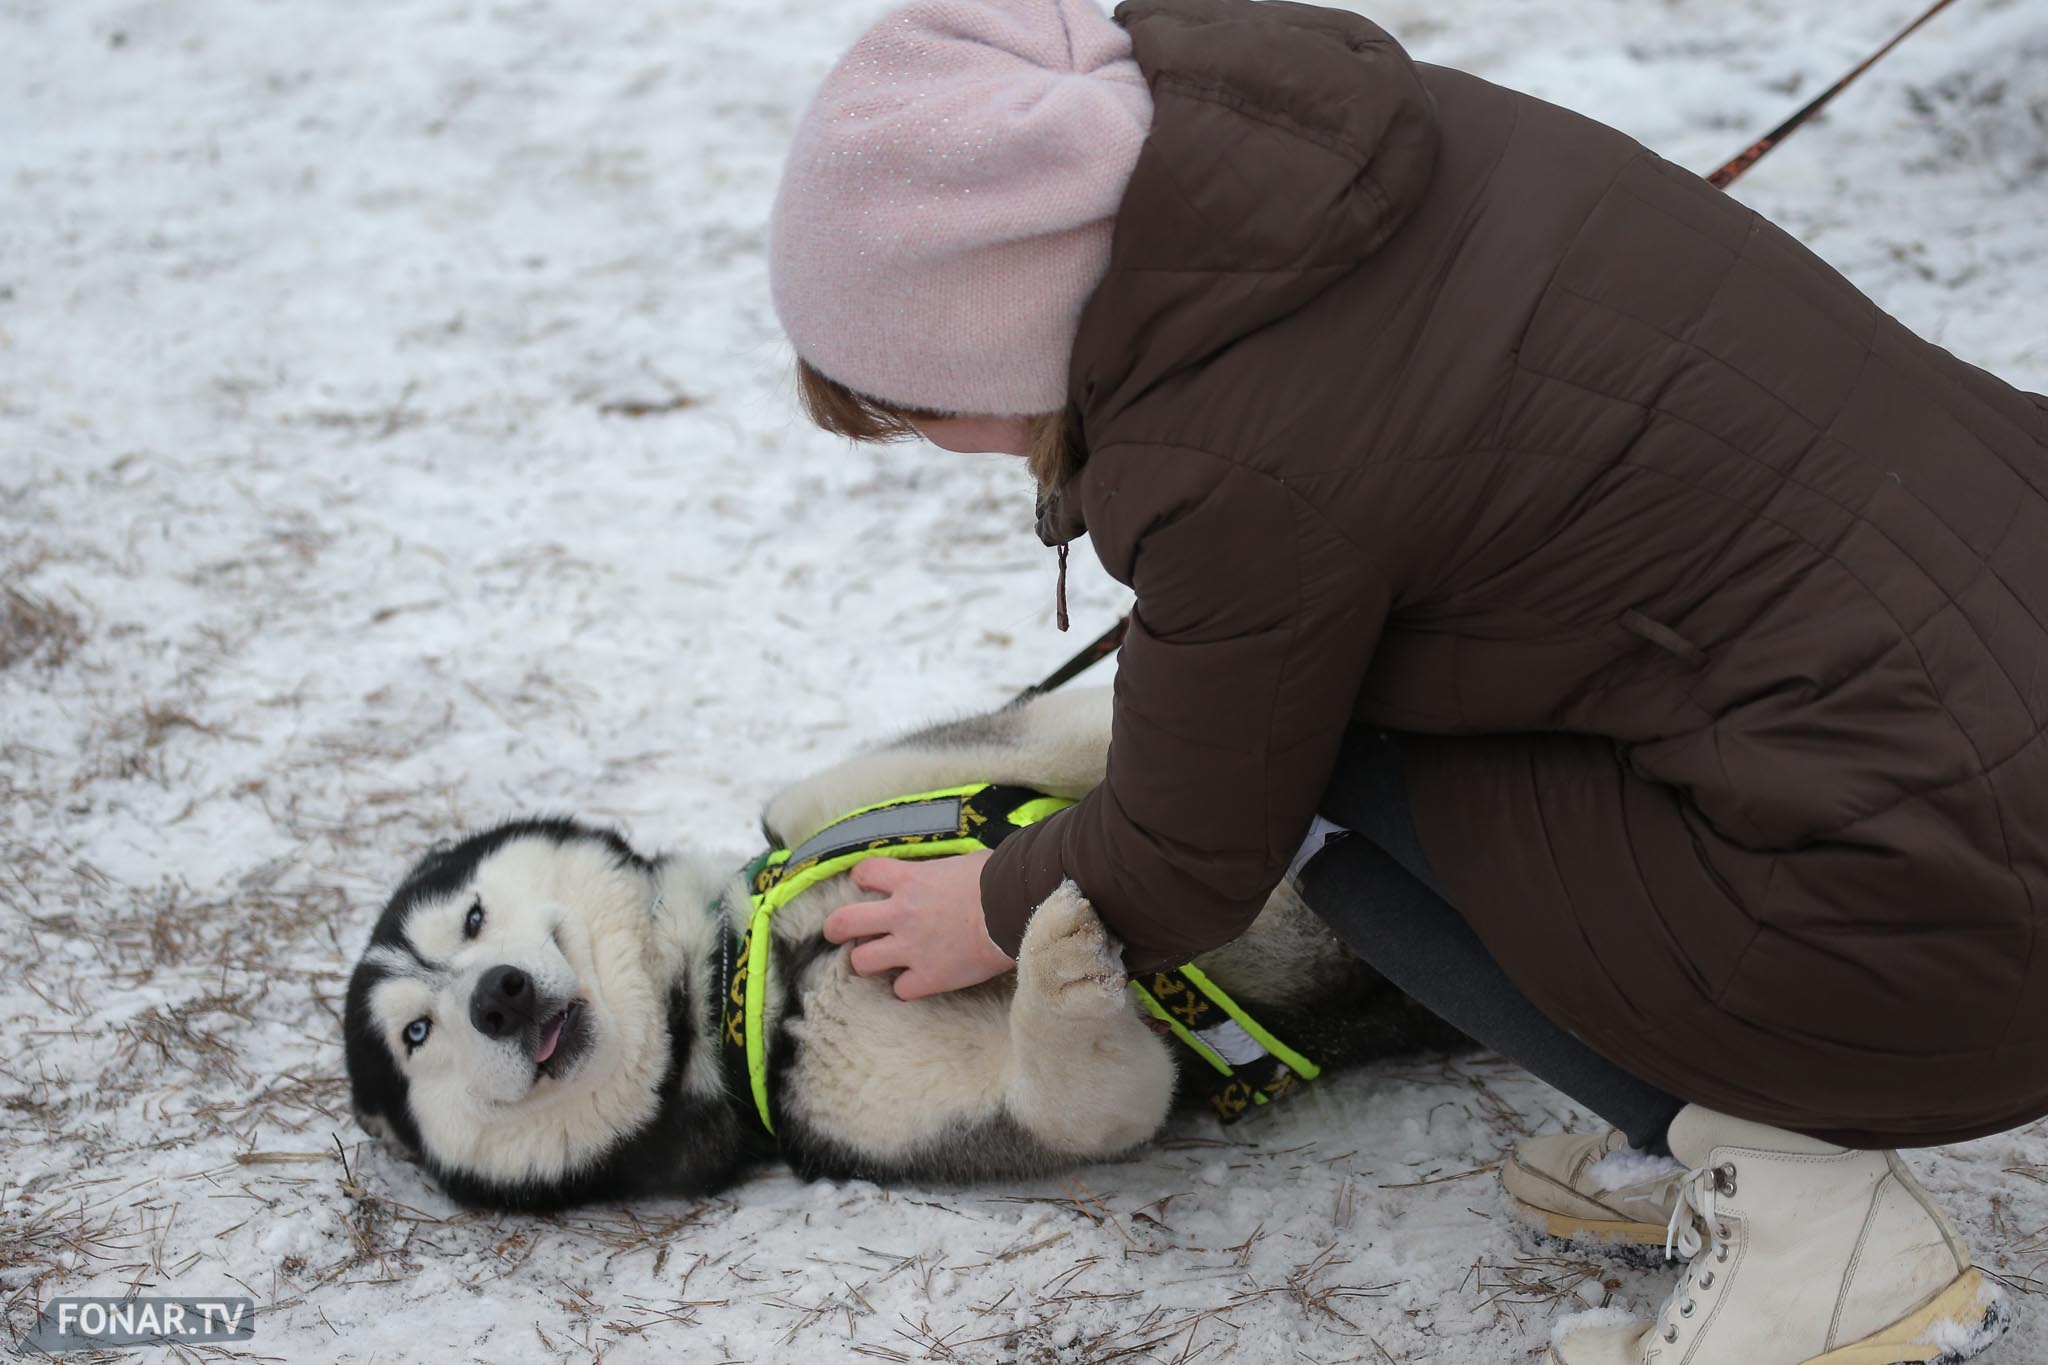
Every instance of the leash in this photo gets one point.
(1732, 170)
(1099, 649)
(1758, 150)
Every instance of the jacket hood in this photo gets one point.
(1288, 143)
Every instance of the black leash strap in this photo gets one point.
(1112, 639)
(1099, 649)
(1756, 151)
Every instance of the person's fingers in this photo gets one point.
(862, 919)
(881, 874)
(914, 985)
(879, 955)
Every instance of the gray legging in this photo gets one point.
(1377, 892)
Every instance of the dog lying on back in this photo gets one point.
(538, 1015)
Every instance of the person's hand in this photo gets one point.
(929, 925)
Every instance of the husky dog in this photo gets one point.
(537, 1016)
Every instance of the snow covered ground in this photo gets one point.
(394, 435)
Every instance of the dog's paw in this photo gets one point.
(1069, 960)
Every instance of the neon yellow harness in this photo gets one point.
(1254, 1065)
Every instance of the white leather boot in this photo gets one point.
(1803, 1253)
(1591, 1189)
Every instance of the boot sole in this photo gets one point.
(1975, 1313)
(1587, 1231)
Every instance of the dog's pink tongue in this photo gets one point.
(547, 1044)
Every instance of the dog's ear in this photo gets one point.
(436, 853)
(373, 1124)
(396, 1137)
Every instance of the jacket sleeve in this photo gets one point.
(1254, 624)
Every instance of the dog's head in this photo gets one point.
(509, 1020)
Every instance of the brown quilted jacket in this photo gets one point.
(1719, 598)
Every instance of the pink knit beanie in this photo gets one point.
(946, 207)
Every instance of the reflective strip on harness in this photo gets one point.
(927, 819)
(1229, 1041)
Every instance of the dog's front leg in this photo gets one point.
(1086, 1075)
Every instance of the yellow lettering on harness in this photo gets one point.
(1168, 990)
(738, 995)
(1232, 1099)
(736, 998)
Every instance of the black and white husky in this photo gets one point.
(537, 1015)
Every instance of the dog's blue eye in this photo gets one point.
(416, 1033)
(473, 922)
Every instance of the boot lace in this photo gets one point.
(1695, 1197)
(1695, 1229)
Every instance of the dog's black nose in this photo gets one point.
(503, 1002)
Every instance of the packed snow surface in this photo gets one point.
(395, 435)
